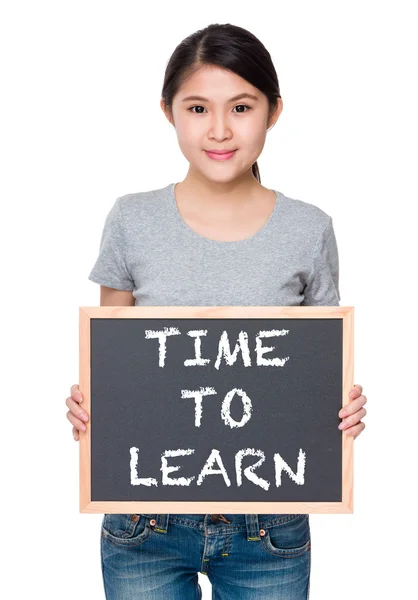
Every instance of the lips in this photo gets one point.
(220, 151)
(220, 154)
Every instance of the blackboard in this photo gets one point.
(234, 407)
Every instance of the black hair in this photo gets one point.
(229, 47)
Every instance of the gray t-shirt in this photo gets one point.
(147, 248)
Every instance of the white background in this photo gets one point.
(80, 125)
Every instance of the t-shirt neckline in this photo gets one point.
(191, 232)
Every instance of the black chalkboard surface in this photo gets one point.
(197, 408)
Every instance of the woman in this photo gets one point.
(217, 238)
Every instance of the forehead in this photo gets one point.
(215, 84)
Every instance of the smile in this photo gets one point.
(224, 156)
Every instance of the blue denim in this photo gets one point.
(158, 557)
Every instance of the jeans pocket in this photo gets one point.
(289, 539)
(126, 530)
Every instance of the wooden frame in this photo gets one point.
(245, 312)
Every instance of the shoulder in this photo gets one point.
(302, 209)
(145, 202)
(302, 216)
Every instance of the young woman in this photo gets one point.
(217, 238)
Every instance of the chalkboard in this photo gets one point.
(205, 409)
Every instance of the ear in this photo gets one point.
(166, 111)
(276, 114)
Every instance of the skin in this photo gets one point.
(221, 200)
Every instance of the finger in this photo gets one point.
(353, 406)
(356, 390)
(353, 419)
(76, 410)
(356, 429)
(75, 393)
(75, 434)
(74, 388)
(76, 422)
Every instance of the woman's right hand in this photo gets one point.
(76, 415)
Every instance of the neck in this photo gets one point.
(205, 193)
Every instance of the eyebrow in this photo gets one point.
(202, 99)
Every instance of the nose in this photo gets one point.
(220, 128)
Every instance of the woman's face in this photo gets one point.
(219, 121)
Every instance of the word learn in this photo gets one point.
(215, 456)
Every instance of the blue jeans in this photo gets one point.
(245, 557)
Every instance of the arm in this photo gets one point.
(322, 289)
(111, 297)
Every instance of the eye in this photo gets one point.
(244, 105)
(192, 107)
(200, 112)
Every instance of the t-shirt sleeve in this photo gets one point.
(322, 286)
(110, 268)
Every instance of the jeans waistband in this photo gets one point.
(227, 523)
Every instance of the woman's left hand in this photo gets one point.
(353, 412)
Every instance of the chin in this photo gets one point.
(226, 178)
